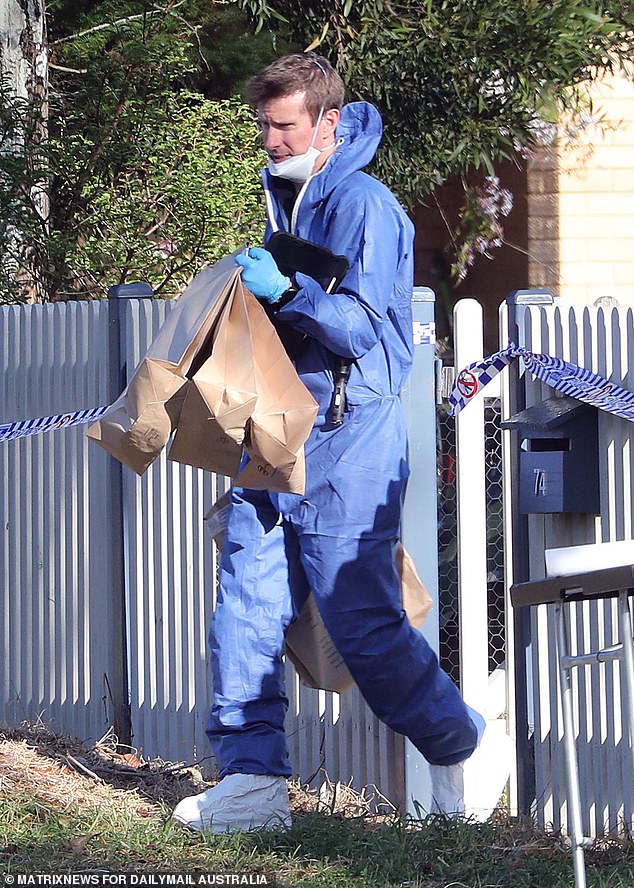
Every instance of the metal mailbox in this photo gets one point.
(559, 456)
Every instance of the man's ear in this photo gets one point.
(328, 126)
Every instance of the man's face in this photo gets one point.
(287, 128)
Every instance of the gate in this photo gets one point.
(472, 595)
(521, 665)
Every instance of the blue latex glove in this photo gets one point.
(261, 275)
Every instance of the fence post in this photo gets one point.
(117, 338)
(420, 517)
(516, 553)
(472, 528)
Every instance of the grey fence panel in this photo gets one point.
(170, 586)
(336, 737)
(602, 340)
(56, 577)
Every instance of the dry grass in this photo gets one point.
(57, 781)
(60, 771)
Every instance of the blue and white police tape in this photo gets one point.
(578, 382)
(26, 427)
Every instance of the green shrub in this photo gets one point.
(187, 193)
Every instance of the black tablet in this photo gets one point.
(296, 254)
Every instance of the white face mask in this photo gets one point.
(299, 167)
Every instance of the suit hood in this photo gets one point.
(358, 137)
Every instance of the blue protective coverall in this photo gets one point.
(338, 538)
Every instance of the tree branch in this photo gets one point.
(194, 31)
(168, 9)
(444, 218)
(68, 70)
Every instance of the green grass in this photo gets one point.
(320, 850)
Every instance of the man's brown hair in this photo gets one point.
(301, 72)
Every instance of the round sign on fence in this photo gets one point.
(467, 384)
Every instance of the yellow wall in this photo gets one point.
(581, 204)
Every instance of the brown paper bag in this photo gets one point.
(218, 374)
(283, 416)
(221, 395)
(218, 416)
(139, 423)
(308, 643)
(417, 602)
(311, 649)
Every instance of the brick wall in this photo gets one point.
(580, 203)
(572, 225)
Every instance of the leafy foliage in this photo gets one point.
(213, 37)
(461, 84)
(479, 228)
(23, 203)
(150, 171)
(151, 159)
(186, 194)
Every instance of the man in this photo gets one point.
(339, 538)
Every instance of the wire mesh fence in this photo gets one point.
(449, 617)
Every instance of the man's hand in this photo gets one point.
(261, 275)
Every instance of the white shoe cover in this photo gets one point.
(447, 781)
(238, 803)
(447, 789)
(487, 771)
(483, 775)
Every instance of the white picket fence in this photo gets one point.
(484, 689)
(603, 341)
